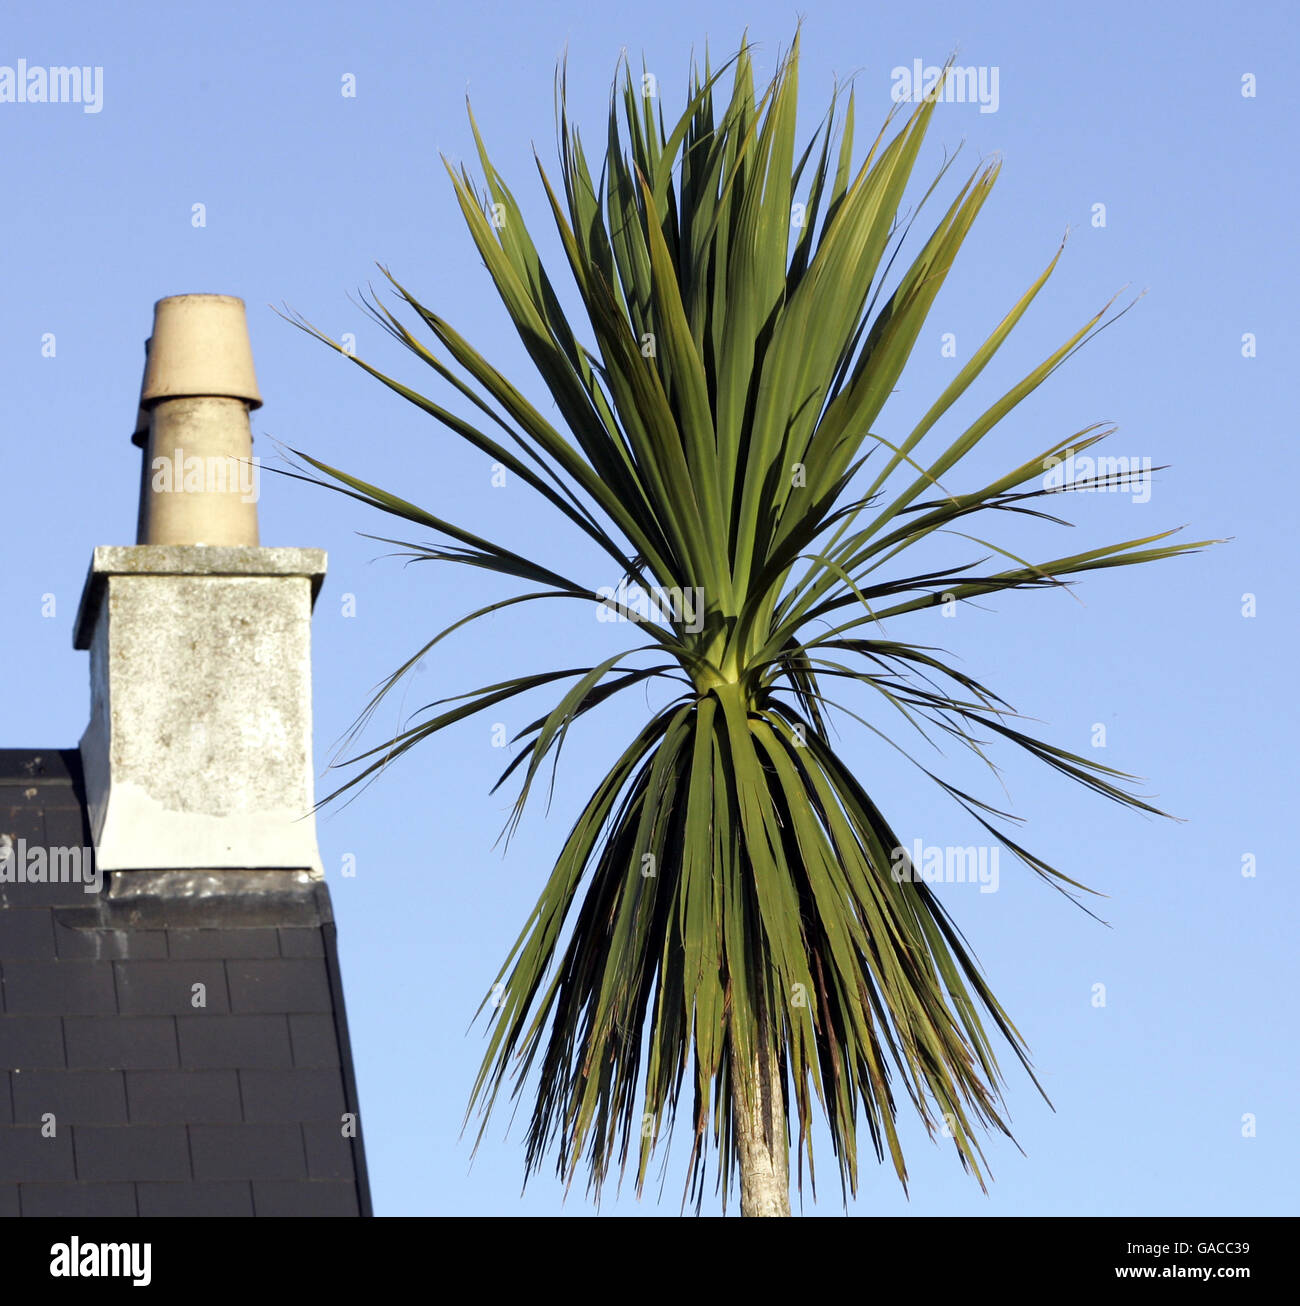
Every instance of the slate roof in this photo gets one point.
(159, 1107)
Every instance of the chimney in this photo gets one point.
(198, 752)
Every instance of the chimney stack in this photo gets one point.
(198, 753)
(198, 389)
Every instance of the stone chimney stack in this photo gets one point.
(198, 753)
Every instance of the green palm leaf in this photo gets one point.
(727, 912)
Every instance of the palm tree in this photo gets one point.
(731, 909)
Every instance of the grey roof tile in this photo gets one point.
(73, 1097)
(78, 1201)
(315, 1042)
(292, 1094)
(158, 988)
(301, 943)
(121, 1042)
(232, 1197)
(58, 988)
(183, 1096)
(29, 1155)
(329, 1153)
(217, 1042)
(119, 1152)
(29, 1042)
(286, 984)
(314, 1197)
(106, 944)
(247, 1152)
(223, 944)
(27, 935)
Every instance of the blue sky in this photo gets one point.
(1139, 108)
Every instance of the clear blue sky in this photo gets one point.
(1137, 107)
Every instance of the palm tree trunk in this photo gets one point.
(759, 1111)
